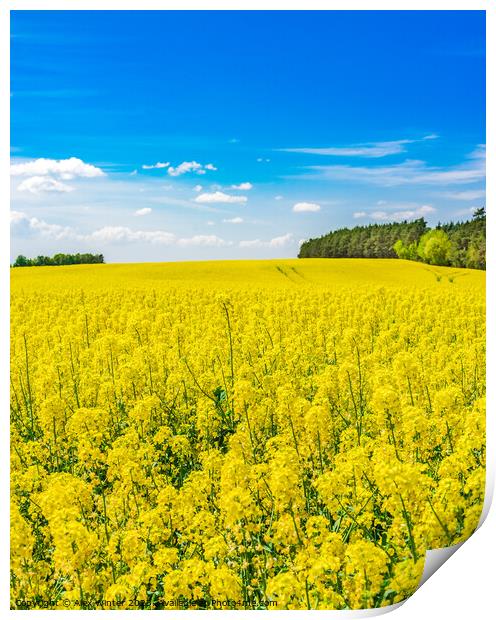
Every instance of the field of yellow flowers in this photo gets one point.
(283, 434)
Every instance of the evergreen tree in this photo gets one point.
(458, 244)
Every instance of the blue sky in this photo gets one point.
(205, 135)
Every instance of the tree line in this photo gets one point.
(457, 244)
(59, 259)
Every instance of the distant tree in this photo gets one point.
(459, 244)
(58, 259)
(479, 214)
(372, 241)
(468, 241)
(21, 261)
(434, 247)
(476, 254)
(407, 252)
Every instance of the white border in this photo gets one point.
(465, 585)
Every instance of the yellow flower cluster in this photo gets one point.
(259, 434)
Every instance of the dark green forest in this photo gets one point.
(59, 259)
(457, 244)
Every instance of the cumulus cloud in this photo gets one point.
(45, 229)
(54, 231)
(159, 164)
(220, 197)
(198, 188)
(46, 175)
(186, 166)
(143, 211)
(207, 240)
(234, 220)
(396, 213)
(279, 242)
(276, 242)
(306, 207)
(189, 166)
(65, 169)
(123, 233)
(110, 234)
(242, 186)
(17, 216)
(39, 184)
(365, 149)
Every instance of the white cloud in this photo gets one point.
(186, 166)
(396, 213)
(410, 172)
(469, 211)
(262, 159)
(306, 207)
(276, 242)
(113, 234)
(425, 210)
(143, 211)
(159, 164)
(198, 188)
(478, 153)
(234, 220)
(365, 149)
(253, 243)
(279, 197)
(39, 184)
(190, 166)
(207, 240)
(133, 173)
(220, 197)
(110, 234)
(116, 234)
(279, 242)
(52, 231)
(17, 216)
(473, 194)
(242, 186)
(65, 169)
(46, 175)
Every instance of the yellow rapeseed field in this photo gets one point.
(245, 434)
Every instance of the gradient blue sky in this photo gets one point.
(269, 127)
